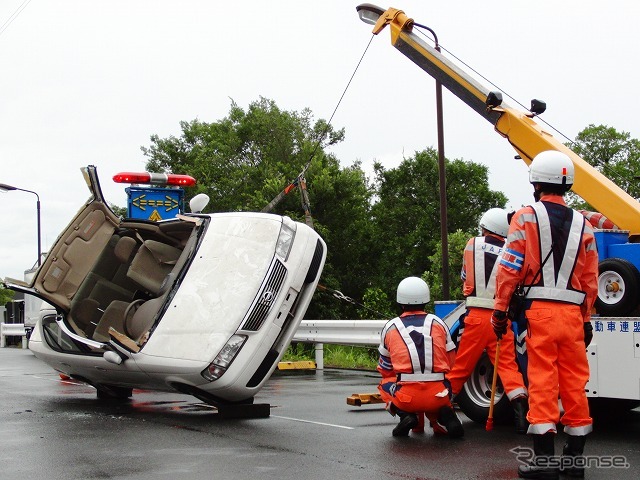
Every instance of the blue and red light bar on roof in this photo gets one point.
(150, 178)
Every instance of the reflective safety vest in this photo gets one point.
(420, 357)
(555, 280)
(486, 252)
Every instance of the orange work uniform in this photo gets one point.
(551, 251)
(416, 351)
(479, 268)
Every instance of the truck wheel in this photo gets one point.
(475, 396)
(618, 288)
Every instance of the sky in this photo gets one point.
(87, 82)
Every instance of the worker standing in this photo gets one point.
(551, 253)
(479, 267)
(416, 351)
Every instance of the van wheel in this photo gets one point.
(618, 288)
(475, 396)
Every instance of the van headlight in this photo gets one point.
(222, 361)
(285, 239)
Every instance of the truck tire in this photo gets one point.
(475, 396)
(618, 288)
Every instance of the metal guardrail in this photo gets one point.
(340, 332)
(359, 332)
(364, 333)
(12, 330)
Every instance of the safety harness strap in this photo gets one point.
(479, 302)
(552, 287)
(556, 294)
(480, 250)
(420, 377)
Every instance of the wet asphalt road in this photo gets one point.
(54, 429)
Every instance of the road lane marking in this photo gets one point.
(316, 423)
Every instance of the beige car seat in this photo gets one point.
(153, 261)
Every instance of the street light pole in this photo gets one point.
(8, 188)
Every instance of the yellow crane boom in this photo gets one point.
(526, 136)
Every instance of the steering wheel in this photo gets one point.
(131, 308)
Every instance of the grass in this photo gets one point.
(336, 356)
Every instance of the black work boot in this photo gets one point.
(449, 420)
(543, 448)
(407, 422)
(573, 449)
(520, 407)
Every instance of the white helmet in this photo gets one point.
(553, 167)
(413, 291)
(495, 220)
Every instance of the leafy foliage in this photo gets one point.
(433, 276)
(363, 358)
(615, 154)
(377, 233)
(248, 157)
(336, 356)
(6, 296)
(376, 302)
(407, 215)
(119, 211)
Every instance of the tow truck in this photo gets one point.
(614, 354)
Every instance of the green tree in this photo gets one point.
(246, 159)
(119, 211)
(406, 216)
(376, 233)
(433, 276)
(376, 303)
(615, 154)
(6, 296)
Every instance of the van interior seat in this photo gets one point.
(106, 282)
(113, 316)
(151, 264)
(133, 319)
(124, 249)
(137, 325)
(85, 314)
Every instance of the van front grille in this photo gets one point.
(267, 295)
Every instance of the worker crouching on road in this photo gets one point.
(416, 351)
(551, 253)
(479, 267)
